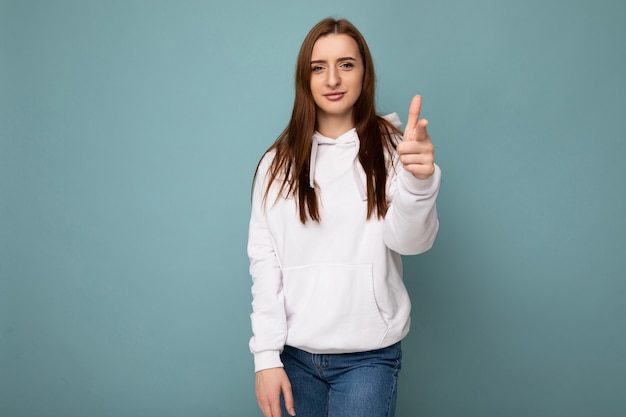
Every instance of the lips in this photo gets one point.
(334, 95)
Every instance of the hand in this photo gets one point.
(417, 153)
(270, 383)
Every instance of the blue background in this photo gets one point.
(130, 131)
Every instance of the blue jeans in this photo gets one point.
(362, 384)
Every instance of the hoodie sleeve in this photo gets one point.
(269, 323)
(411, 222)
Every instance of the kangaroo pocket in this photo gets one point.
(332, 308)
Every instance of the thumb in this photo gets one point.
(288, 397)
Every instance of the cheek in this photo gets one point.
(315, 90)
(358, 86)
(357, 82)
(314, 84)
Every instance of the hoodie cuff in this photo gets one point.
(266, 360)
(417, 186)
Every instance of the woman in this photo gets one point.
(337, 199)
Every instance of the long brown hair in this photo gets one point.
(293, 147)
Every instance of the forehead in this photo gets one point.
(335, 46)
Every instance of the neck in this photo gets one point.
(334, 126)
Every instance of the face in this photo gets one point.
(336, 76)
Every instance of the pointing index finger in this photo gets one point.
(410, 132)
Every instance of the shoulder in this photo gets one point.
(265, 163)
(391, 126)
(393, 119)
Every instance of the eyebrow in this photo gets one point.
(345, 58)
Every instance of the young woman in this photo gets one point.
(337, 199)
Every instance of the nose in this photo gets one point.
(333, 79)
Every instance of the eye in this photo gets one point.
(346, 65)
(317, 68)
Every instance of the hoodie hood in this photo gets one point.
(349, 139)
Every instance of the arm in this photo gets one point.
(411, 223)
(268, 316)
(269, 323)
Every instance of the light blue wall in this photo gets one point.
(129, 134)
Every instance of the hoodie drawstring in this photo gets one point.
(313, 161)
(357, 172)
(355, 166)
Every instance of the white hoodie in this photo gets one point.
(335, 286)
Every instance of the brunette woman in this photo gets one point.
(337, 199)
